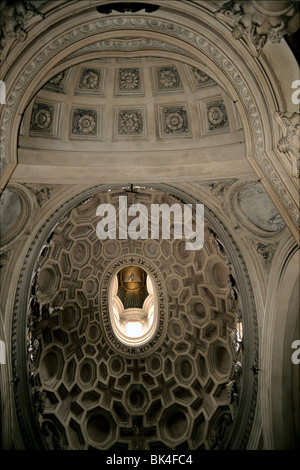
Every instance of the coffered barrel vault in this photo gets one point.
(186, 102)
(164, 115)
(211, 45)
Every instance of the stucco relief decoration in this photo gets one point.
(175, 120)
(11, 207)
(14, 18)
(289, 144)
(167, 79)
(217, 115)
(259, 208)
(267, 252)
(42, 193)
(57, 79)
(58, 82)
(201, 78)
(89, 79)
(130, 122)
(129, 79)
(42, 118)
(15, 207)
(254, 26)
(84, 122)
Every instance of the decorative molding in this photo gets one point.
(254, 26)
(127, 45)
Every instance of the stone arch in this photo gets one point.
(243, 80)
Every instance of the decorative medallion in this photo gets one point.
(129, 123)
(259, 208)
(11, 207)
(174, 120)
(91, 80)
(58, 82)
(15, 207)
(42, 118)
(129, 79)
(168, 77)
(84, 122)
(217, 115)
(199, 79)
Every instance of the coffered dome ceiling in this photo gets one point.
(121, 112)
(180, 389)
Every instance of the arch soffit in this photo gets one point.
(222, 57)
